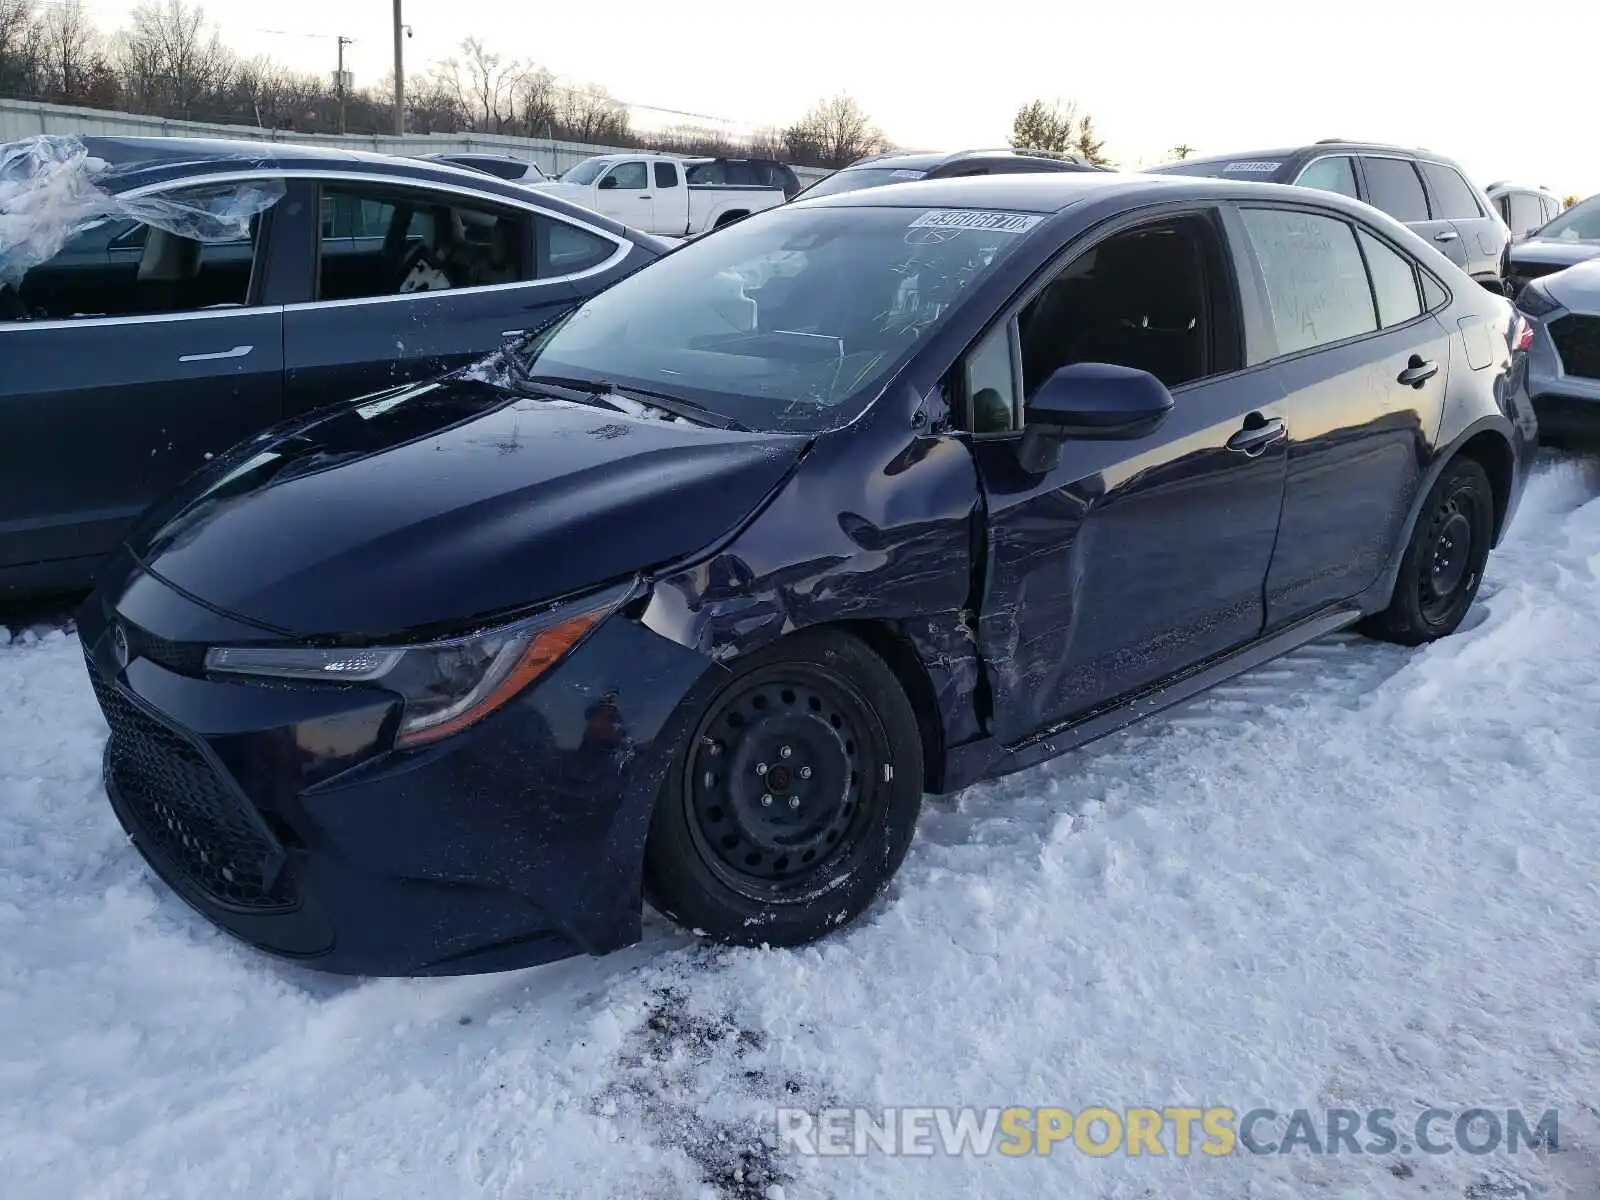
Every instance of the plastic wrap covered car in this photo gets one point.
(163, 298)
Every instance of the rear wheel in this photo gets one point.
(795, 799)
(1444, 561)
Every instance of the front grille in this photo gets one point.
(1577, 340)
(187, 813)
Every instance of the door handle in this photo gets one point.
(1253, 439)
(644, 197)
(1418, 371)
(213, 356)
(1446, 235)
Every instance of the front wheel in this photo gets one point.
(794, 801)
(1444, 561)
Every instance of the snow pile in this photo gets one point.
(52, 189)
(1362, 876)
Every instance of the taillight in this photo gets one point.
(1522, 334)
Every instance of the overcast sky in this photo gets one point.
(1509, 89)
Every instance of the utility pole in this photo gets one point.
(339, 78)
(399, 75)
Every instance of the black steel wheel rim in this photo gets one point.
(1446, 568)
(782, 780)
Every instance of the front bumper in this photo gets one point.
(279, 812)
(1567, 401)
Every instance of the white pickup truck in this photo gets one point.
(652, 192)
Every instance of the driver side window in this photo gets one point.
(1158, 298)
(628, 176)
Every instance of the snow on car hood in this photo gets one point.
(1577, 288)
(52, 189)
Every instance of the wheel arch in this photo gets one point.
(1492, 451)
(1489, 443)
(891, 643)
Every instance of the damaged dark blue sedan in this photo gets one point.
(691, 596)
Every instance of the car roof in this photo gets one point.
(1510, 185)
(1327, 146)
(137, 162)
(1055, 191)
(447, 155)
(930, 160)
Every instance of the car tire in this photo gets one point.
(793, 801)
(1444, 560)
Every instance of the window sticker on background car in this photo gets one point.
(1255, 167)
(961, 218)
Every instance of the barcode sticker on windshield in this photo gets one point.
(966, 218)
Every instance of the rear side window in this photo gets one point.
(1316, 282)
(562, 249)
(666, 175)
(1527, 212)
(1331, 175)
(1453, 193)
(1551, 209)
(503, 167)
(1393, 186)
(1433, 293)
(1394, 281)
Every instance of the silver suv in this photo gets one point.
(1523, 208)
(1426, 191)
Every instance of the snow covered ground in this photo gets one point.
(1360, 877)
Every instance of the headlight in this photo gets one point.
(447, 685)
(1535, 301)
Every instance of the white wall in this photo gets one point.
(25, 118)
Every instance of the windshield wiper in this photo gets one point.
(603, 389)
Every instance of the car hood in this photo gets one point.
(575, 192)
(1577, 288)
(428, 507)
(1558, 251)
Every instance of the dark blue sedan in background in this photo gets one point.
(146, 344)
(693, 595)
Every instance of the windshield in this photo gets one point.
(587, 171)
(788, 321)
(853, 179)
(1580, 223)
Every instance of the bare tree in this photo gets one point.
(767, 143)
(833, 133)
(485, 85)
(71, 52)
(539, 98)
(171, 60)
(1179, 152)
(21, 48)
(589, 114)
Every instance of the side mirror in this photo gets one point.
(609, 182)
(1090, 402)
